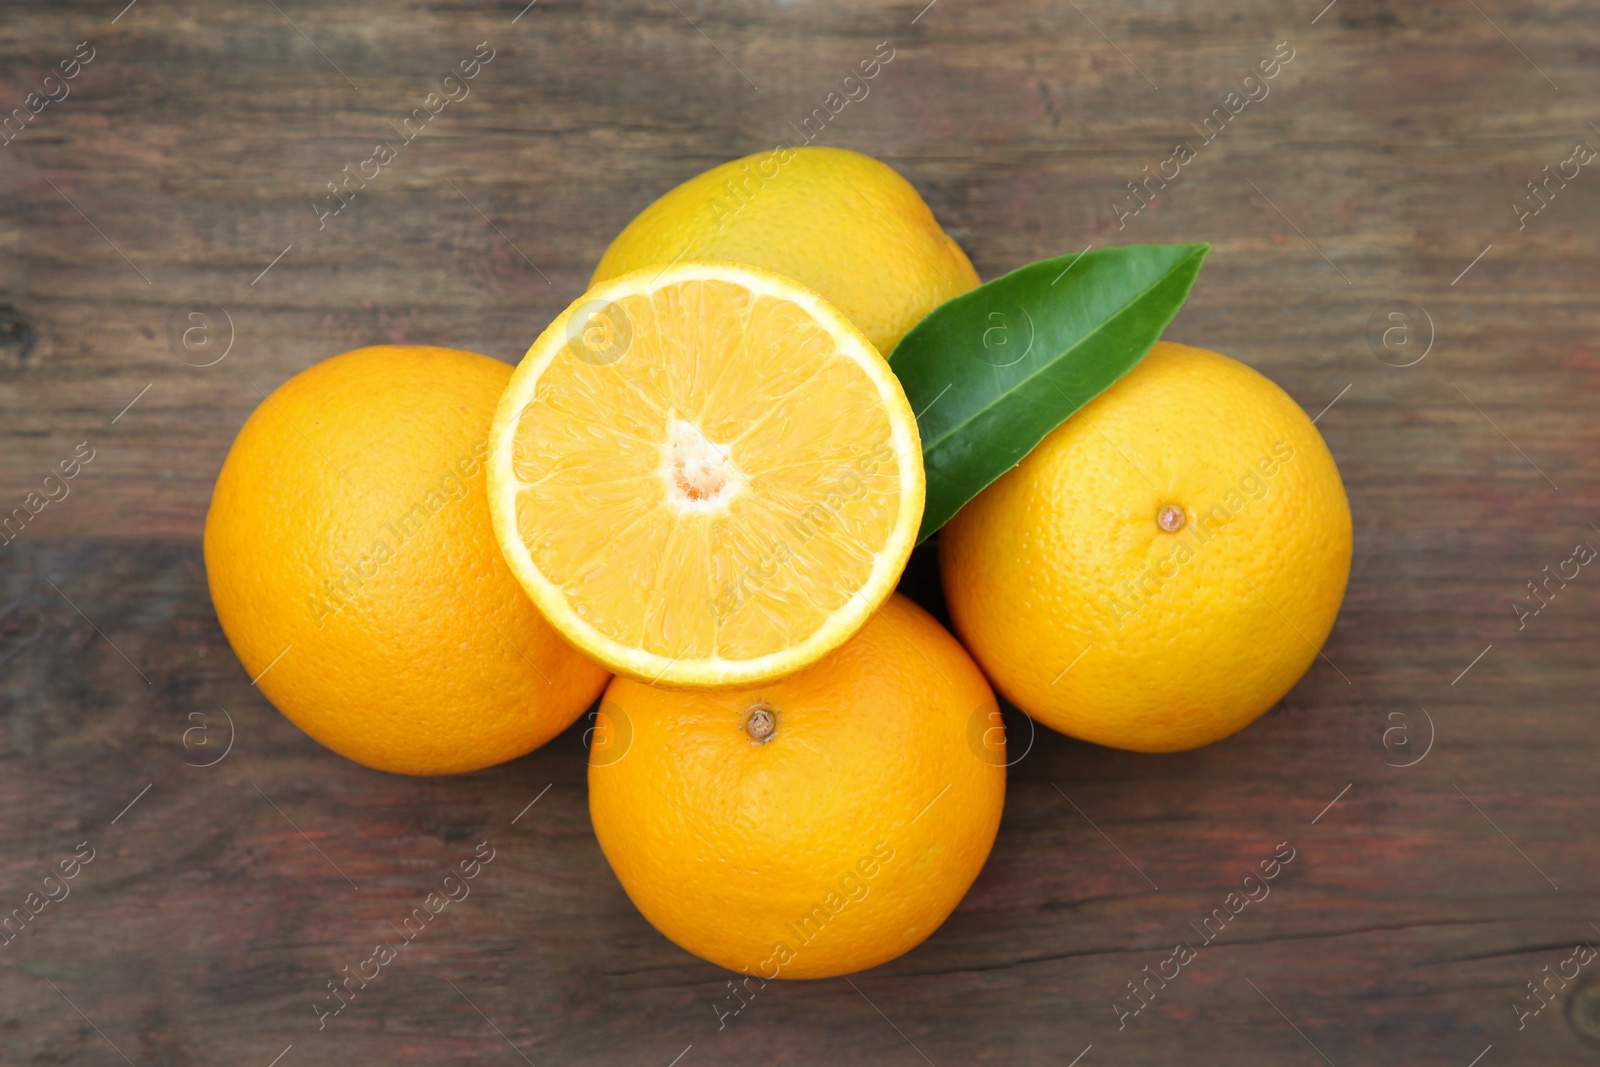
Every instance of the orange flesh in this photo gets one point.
(720, 489)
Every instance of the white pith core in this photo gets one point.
(699, 474)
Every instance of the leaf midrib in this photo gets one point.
(959, 426)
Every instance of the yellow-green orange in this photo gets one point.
(836, 221)
(355, 572)
(1164, 566)
(830, 836)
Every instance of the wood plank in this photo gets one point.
(1384, 159)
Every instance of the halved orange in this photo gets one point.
(705, 476)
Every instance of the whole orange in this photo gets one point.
(1164, 566)
(810, 827)
(836, 221)
(356, 574)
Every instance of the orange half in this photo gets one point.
(705, 476)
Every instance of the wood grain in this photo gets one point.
(1385, 158)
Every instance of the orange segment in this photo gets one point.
(705, 476)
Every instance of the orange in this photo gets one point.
(836, 221)
(812, 827)
(705, 476)
(355, 572)
(1164, 566)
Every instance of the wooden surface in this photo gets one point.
(1386, 157)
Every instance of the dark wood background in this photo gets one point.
(1386, 157)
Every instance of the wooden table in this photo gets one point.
(1378, 176)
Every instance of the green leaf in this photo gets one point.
(993, 371)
